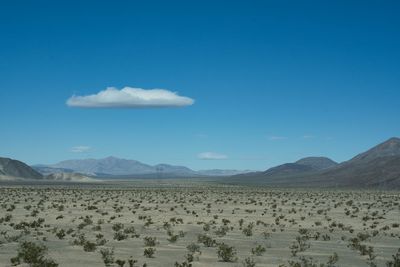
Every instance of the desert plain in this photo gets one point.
(196, 223)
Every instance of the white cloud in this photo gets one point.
(275, 138)
(212, 156)
(308, 136)
(80, 149)
(129, 97)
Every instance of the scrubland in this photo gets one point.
(197, 224)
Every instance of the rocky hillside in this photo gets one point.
(15, 168)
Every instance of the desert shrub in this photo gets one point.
(80, 240)
(108, 256)
(130, 230)
(326, 237)
(371, 257)
(190, 257)
(363, 236)
(100, 240)
(149, 252)
(33, 254)
(120, 236)
(396, 260)
(258, 251)
(173, 238)
(117, 227)
(150, 241)
(61, 234)
(248, 230)
(181, 233)
(226, 253)
(193, 248)
(304, 262)
(221, 231)
(206, 240)
(249, 262)
(332, 260)
(266, 235)
(299, 245)
(183, 264)
(131, 262)
(120, 263)
(89, 246)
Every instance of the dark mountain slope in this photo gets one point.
(379, 166)
(317, 163)
(15, 168)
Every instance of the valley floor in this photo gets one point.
(188, 221)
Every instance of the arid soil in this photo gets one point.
(201, 224)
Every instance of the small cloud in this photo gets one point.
(80, 149)
(307, 136)
(129, 97)
(211, 156)
(275, 138)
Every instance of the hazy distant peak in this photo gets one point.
(111, 158)
(109, 165)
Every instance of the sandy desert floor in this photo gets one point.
(182, 223)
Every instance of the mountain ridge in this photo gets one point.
(116, 167)
(378, 166)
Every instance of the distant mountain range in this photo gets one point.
(112, 167)
(379, 166)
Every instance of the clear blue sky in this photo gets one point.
(273, 81)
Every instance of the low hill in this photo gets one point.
(14, 168)
(70, 177)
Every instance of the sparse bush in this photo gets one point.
(226, 253)
(108, 256)
(120, 236)
(193, 248)
(89, 246)
(120, 263)
(207, 241)
(33, 254)
(149, 252)
(248, 231)
(333, 259)
(258, 251)
(249, 262)
(395, 262)
(150, 241)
